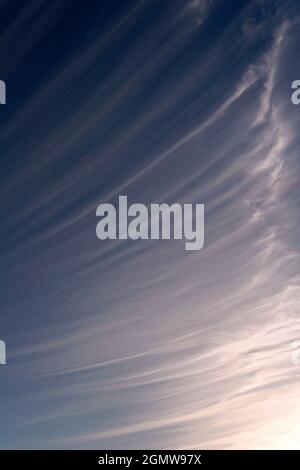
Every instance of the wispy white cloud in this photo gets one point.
(142, 344)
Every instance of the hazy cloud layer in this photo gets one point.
(123, 344)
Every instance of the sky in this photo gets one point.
(123, 344)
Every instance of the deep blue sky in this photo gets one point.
(141, 344)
